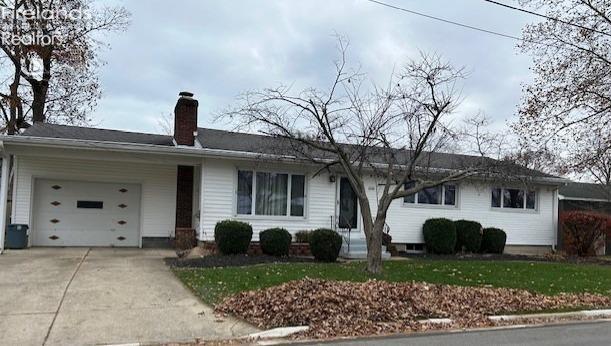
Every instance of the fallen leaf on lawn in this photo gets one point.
(337, 308)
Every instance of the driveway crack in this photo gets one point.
(61, 301)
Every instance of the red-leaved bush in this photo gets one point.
(584, 232)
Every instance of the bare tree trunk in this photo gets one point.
(15, 110)
(374, 250)
(373, 234)
(39, 91)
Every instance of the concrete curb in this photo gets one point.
(436, 321)
(576, 314)
(275, 336)
(276, 333)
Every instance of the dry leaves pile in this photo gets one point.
(334, 308)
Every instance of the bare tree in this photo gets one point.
(479, 140)
(165, 123)
(596, 162)
(569, 100)
(395, 133)
(51, 55)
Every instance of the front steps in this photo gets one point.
(358, 249)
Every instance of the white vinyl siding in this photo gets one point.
(220, 190)
(523, 227)
(405, 221)
(158, 207)
(218, 202)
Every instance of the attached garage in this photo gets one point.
(77, 213)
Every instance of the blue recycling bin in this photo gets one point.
(16, 236)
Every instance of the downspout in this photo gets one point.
(4, 181)
(555, 219)
(201, 235)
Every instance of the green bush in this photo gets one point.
(468, 235)
(439, 235)
(275, 242)
(325, 244)
(493, 240)
(232, 237)
(302, 236)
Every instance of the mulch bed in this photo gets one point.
(213, 261)
(335, 308)
(508, 257)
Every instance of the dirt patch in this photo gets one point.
(333, 308)
(213, 261)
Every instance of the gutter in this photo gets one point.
(133, 147)
(584, 199)
(193, 152)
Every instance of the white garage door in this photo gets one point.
(70, 213)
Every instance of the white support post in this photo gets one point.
(200, 231)
(4, 181)
(555, 206)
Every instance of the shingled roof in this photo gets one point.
(93, 134)
(585, 191)
(261, 144)
(253, 143)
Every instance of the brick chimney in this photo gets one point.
(185, 119)
(185, 127)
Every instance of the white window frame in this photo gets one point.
(443, 199)
(519, 210)
(252, 214)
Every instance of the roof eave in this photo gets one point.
(195, 151)
(583, 199)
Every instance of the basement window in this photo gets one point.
(90, 204)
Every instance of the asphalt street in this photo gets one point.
(584, 333)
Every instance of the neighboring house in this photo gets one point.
(587, 197)
(78, 186)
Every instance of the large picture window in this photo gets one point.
(437, 195)
(275, 194)
(514, 198)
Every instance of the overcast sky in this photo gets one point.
(218, 49)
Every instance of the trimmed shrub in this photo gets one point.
(232, 237)
(468, 235)
(493, 240)
(439, 235)
(583, 232)
(275, 242)
(325, 244)
(302, 236)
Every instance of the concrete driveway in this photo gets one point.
(78, 296)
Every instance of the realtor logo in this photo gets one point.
(25, 21)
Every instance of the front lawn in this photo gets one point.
(214, 284)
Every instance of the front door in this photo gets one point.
(347, 207)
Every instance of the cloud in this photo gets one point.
(218, 49)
